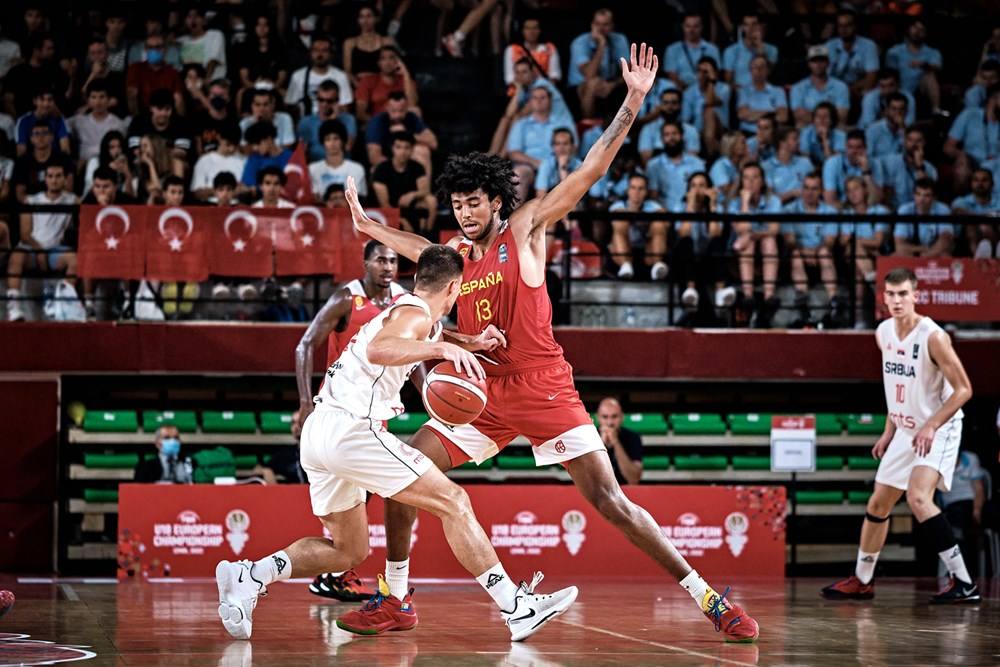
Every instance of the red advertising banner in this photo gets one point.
(112, 242)
(955, 289)
(176, 244)
(186, 530)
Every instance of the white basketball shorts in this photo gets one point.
(900, 458)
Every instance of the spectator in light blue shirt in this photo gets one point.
(756, 235)
(680, 60)
(651, 103)
(736, 59)
(917, 64)
(594, 68)
(707, 93)
(853, 59)
(818, 87)
(885, 136)
(650, 136)
(625, 234)
(760, 97)
(725, 171)
(873, 102)
(530, 140)
(854, 161)
(974, 137)
(821, 140)
(559, 164)
(811, 242)
(527, 78)
(868, 239)
(668, 172)
(989, 74)
(787, 170)
(982, 199)
(904, 169)
(762, 146)
(924, 239)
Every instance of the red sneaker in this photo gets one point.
(849, 589)
(730, 619)
(383, 613)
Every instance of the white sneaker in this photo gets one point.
(68, 306)
(659, 271)
(246, 292)
(690, 298)
(238, 593)
(984, 250)
(625, 270)
(532, 610)
(14, 311)
(725, 297)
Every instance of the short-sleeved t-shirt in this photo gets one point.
(669, 179)
(769, 98)
(378, 131)
(632, 444)
(979, 136)
(882, 140)
(693, 105)
(203, 50)
(736, 59)
(548, 172)
(809, 234)
(26, 123)
(256, 162)
(782, 177)
(902, 177)
(373, 89)
(323, 176)
(805, 94)
(970, 203)
(837, 169)
(176, 133)
(901, 58)
(872, 105)
(532, 136)
(681, 58)
(651, 137)
(924, 233)
(850, 65)
(398, 183)
(766, 204)
(47, 229)
(812, 147)
(30, 173)
(145, 79)
(582, 49)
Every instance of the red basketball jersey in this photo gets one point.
(363, 311)
(492, 292)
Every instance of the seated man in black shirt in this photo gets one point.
(624, 446)
(162, 120)
(29, 169)
(403, 183)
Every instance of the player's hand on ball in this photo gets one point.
(464, 361)
(358, 215)
(878, 451)
(924, 440)
(490, 339)
(640, 72)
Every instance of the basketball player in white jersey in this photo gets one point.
(352, 306)
(346, 451)
(925, 389)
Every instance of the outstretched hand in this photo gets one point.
(640, 72)
(358, 215)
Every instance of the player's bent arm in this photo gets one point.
(943, 354)
(332, 316)
(401, 340)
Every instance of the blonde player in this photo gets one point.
(925, 389)
(346, 450)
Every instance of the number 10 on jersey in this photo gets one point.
(484, 311)
(900, 393)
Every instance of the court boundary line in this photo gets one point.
(69, 592)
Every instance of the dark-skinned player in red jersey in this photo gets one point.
(351, 307)
(529, 384)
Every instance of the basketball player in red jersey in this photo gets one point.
(341, 317)
(529, 384)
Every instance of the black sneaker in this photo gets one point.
(346, 588)
(957, 592)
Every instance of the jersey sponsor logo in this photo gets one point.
(491, 279)
(903, 421)
(890, 368)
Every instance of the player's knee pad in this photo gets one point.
(876, 519)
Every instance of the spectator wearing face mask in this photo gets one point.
(168, 466)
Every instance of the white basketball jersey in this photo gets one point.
(915, 388)
(361, 388)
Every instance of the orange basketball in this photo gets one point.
(451, 396)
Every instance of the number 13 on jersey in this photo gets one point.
(484, 311)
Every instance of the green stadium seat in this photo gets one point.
(656, 463)
(697, 423)
(861, 463)
(751, 463)
(228, 421)
(276, 422)
(858, 497)
(184, 420)
(751, 423)
(107, 461)
(245, 461)
(819, 497)
(110, 421)
(828, 423)
(408, 422)
(515, 462)
(646, 423)
(829, 462)
(698, 462)
(865, 424)
(100, 495)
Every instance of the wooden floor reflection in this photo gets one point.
(612, 623)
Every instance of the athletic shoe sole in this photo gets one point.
(233, 618)
(377, 630)
(551, 614)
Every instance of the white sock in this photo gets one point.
(952, 559)
(696, 587)
(276, 567)
(864, 569)
(459, 36)
(497, 583)
(397, 575)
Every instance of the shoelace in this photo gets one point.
(535, 580)
(374, 602)
(718, 608)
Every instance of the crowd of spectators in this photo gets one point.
(199, 106)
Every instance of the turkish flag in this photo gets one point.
(306, 242)
(111, 242)
(240, 242)
(352, 242)
(176, 244)
(298, 185)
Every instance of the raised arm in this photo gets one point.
(639, 74)
(406, 244)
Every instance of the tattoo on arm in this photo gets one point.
(621, 123)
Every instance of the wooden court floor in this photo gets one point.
(612, 623)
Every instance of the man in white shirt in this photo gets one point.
(335, 167)
(305, 81)
(270, 181)
(225, 158)
(262, 107)
(203, 47)
(89, 128)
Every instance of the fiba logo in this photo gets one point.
(737, 524)
(573, 524)
(237, 523)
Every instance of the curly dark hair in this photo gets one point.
(468, 173)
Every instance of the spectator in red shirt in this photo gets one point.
(374, 89)
(152, 74)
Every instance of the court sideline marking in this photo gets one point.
(69, 592)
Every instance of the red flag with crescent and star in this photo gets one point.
(112, 242)
(298, 185)
(306, 243)
(176, 243)
(240, 243)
